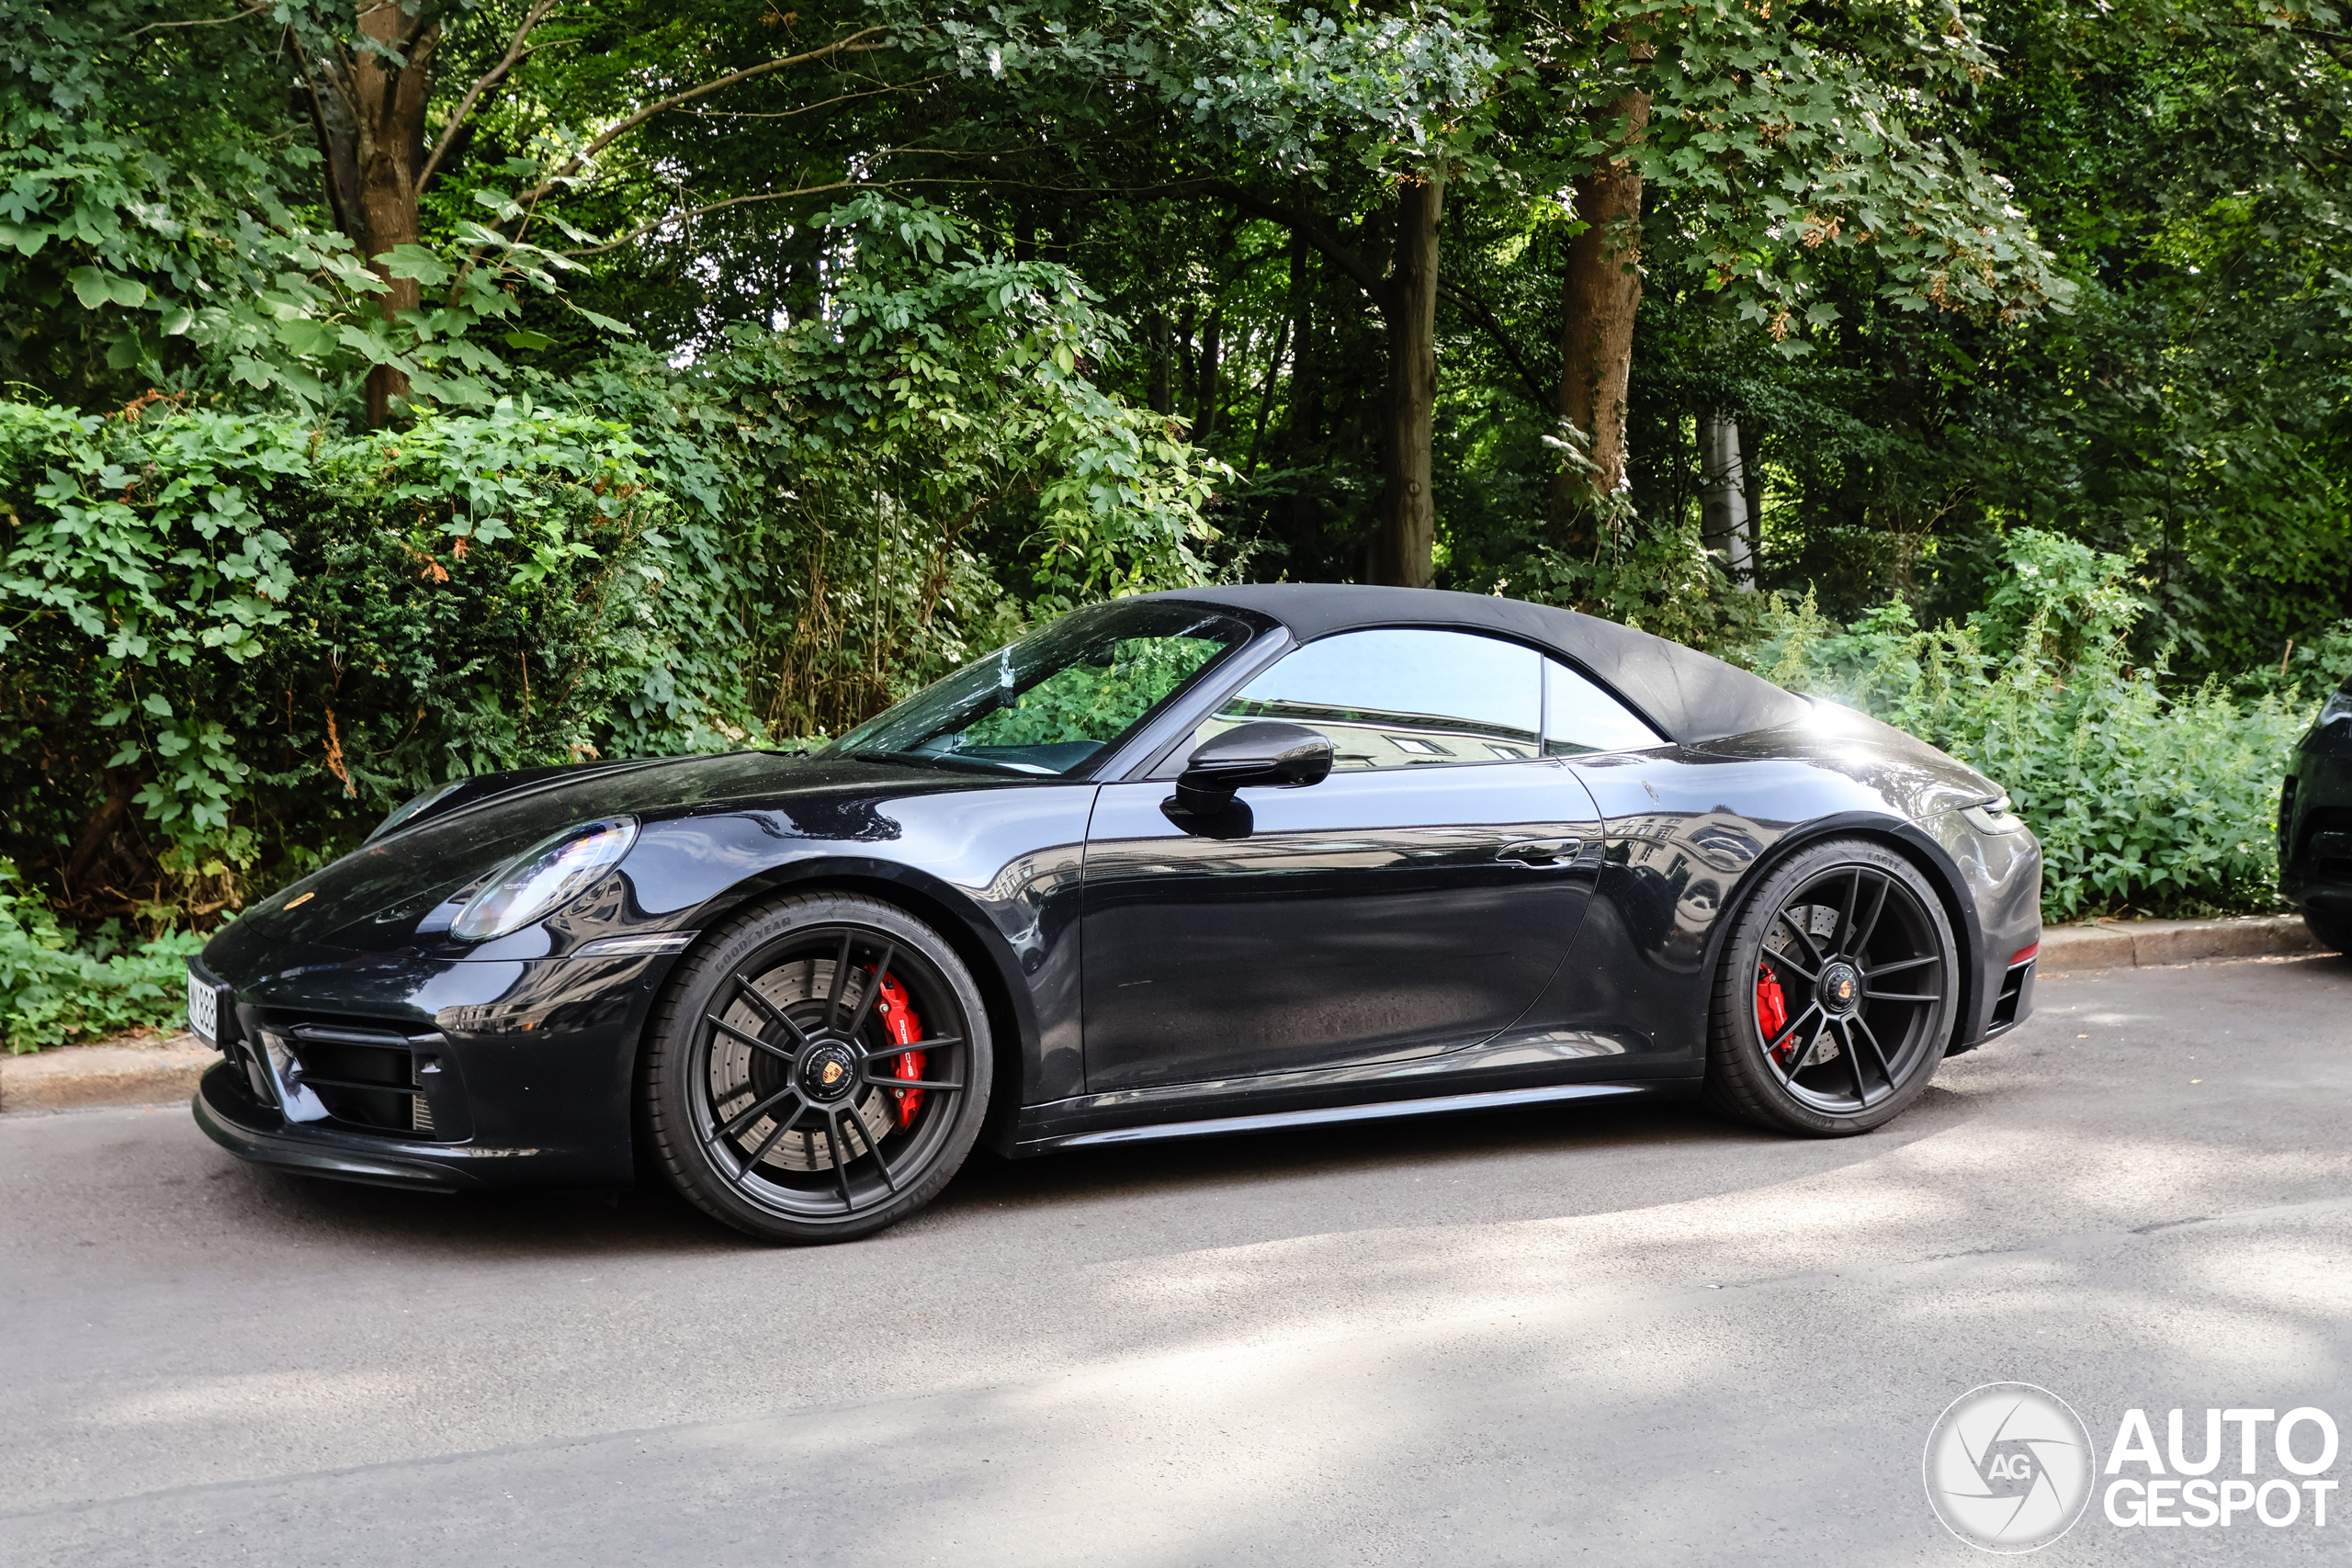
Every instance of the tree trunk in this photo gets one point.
(1205, 409)
(99, 829)
(1186, 382)
(1599, 293)
(369, 117)
(391, 111)
(1266, 396)
(1723, 496)
(1401, 552)
(1303, 425)
(1751, 472)
(1156, 327)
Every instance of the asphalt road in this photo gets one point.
(1576, 1335)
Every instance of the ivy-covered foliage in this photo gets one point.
(256, 633)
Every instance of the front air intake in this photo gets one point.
(373, 1080)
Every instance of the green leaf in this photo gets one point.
(604, 323)
(94, 287)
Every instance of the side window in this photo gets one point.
(1579, 716)
(1402, 699)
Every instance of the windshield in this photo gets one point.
(1052, 701)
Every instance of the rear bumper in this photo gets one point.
(2315, 830)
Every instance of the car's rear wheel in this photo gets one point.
(819, 1069)
(1839, 983)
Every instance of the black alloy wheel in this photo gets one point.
(819, 1069)
(1838, 993)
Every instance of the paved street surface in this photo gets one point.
(1579, 1334)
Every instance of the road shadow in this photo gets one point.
(1534, 1162)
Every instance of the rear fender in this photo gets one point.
(1915, 844)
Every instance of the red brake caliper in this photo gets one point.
(899, 1021)
(1772, 1006)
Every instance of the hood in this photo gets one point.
(372, 898)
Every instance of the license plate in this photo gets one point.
(204, 1010)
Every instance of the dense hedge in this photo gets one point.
(2145, 801)
(243, 640)
(248, 641)
(231, 641)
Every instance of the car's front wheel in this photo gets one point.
(1836, 993)
(817, 1070)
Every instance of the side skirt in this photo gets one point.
(1436, 1105)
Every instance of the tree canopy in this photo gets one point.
(407, 386)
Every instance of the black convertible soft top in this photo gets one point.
(1689, 697)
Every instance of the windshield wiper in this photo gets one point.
(945, 763)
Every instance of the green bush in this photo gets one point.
(52, 992)
(2154, 803)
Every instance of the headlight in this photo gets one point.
(2337, 706)
(1994, 817)
(556, 869)
(414, 804)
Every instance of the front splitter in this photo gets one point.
(304, 1156)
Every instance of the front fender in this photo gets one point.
(997, 871)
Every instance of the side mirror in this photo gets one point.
(1251, 756)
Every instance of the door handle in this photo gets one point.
(1540, 851)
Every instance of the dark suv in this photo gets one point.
(2315, 825)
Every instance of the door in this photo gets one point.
(1417, 900)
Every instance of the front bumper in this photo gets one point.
(231, 1118)
(433, 1076)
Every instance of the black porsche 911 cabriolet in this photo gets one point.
(1214, 860)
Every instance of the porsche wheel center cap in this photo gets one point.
(1841, 990)
(828, 1073)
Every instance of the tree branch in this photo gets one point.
(852, 44)
(1477, 310)
(242, 12)
(489, 79)
(810, 108)
(692, 212)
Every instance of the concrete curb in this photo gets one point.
(2141, 944)
(128, 1071)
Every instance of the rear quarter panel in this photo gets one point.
(1690, 830)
